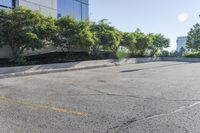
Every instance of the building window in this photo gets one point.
(85, 11)
(85, 1)
(65, 8)
(7, 3)
(77, 8)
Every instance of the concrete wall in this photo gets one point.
(50, 49)
(47, 7)
(5, 52)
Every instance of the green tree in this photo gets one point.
(143, 42)
(86, 37)
(73, 33)
(129, 40)
(193, 38)
(67, 32)
(108, 37)
(159, 43)
(21, 29)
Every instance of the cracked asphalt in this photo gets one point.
(158, 97)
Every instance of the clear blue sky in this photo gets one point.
(170, 17)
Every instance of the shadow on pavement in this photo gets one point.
(133, 70)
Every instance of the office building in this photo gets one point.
(55, 8)
(181, 43)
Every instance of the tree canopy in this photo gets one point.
(21, 29)
(193, 38)
(129, 40)
(108, 36)
(159, 43)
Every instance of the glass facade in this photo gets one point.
(181, 43)
(6, 3)
(77, 8)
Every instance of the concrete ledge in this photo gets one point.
(50, 68)
(180, 59)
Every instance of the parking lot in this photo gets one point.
(157, 97)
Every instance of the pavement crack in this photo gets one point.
(117, 95)
(126, 124)
(101, 92)
(145, 98)
(120, 127)
(182, 100)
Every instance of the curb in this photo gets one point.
(18, 74)
(66, 66)
(9, 72)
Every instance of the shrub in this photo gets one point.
(19, 60)
(192, 54)
(163, 53)
(122, 52)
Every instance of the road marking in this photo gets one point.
(43, 106)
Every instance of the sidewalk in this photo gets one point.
(59, 67)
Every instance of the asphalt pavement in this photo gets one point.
(157, 97)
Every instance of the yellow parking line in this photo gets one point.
(43, 106)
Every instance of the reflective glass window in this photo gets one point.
(5, 3)
(77, 10)
(85, 11)
(85, 1)
(65, 7)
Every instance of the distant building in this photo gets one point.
(181, 43)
